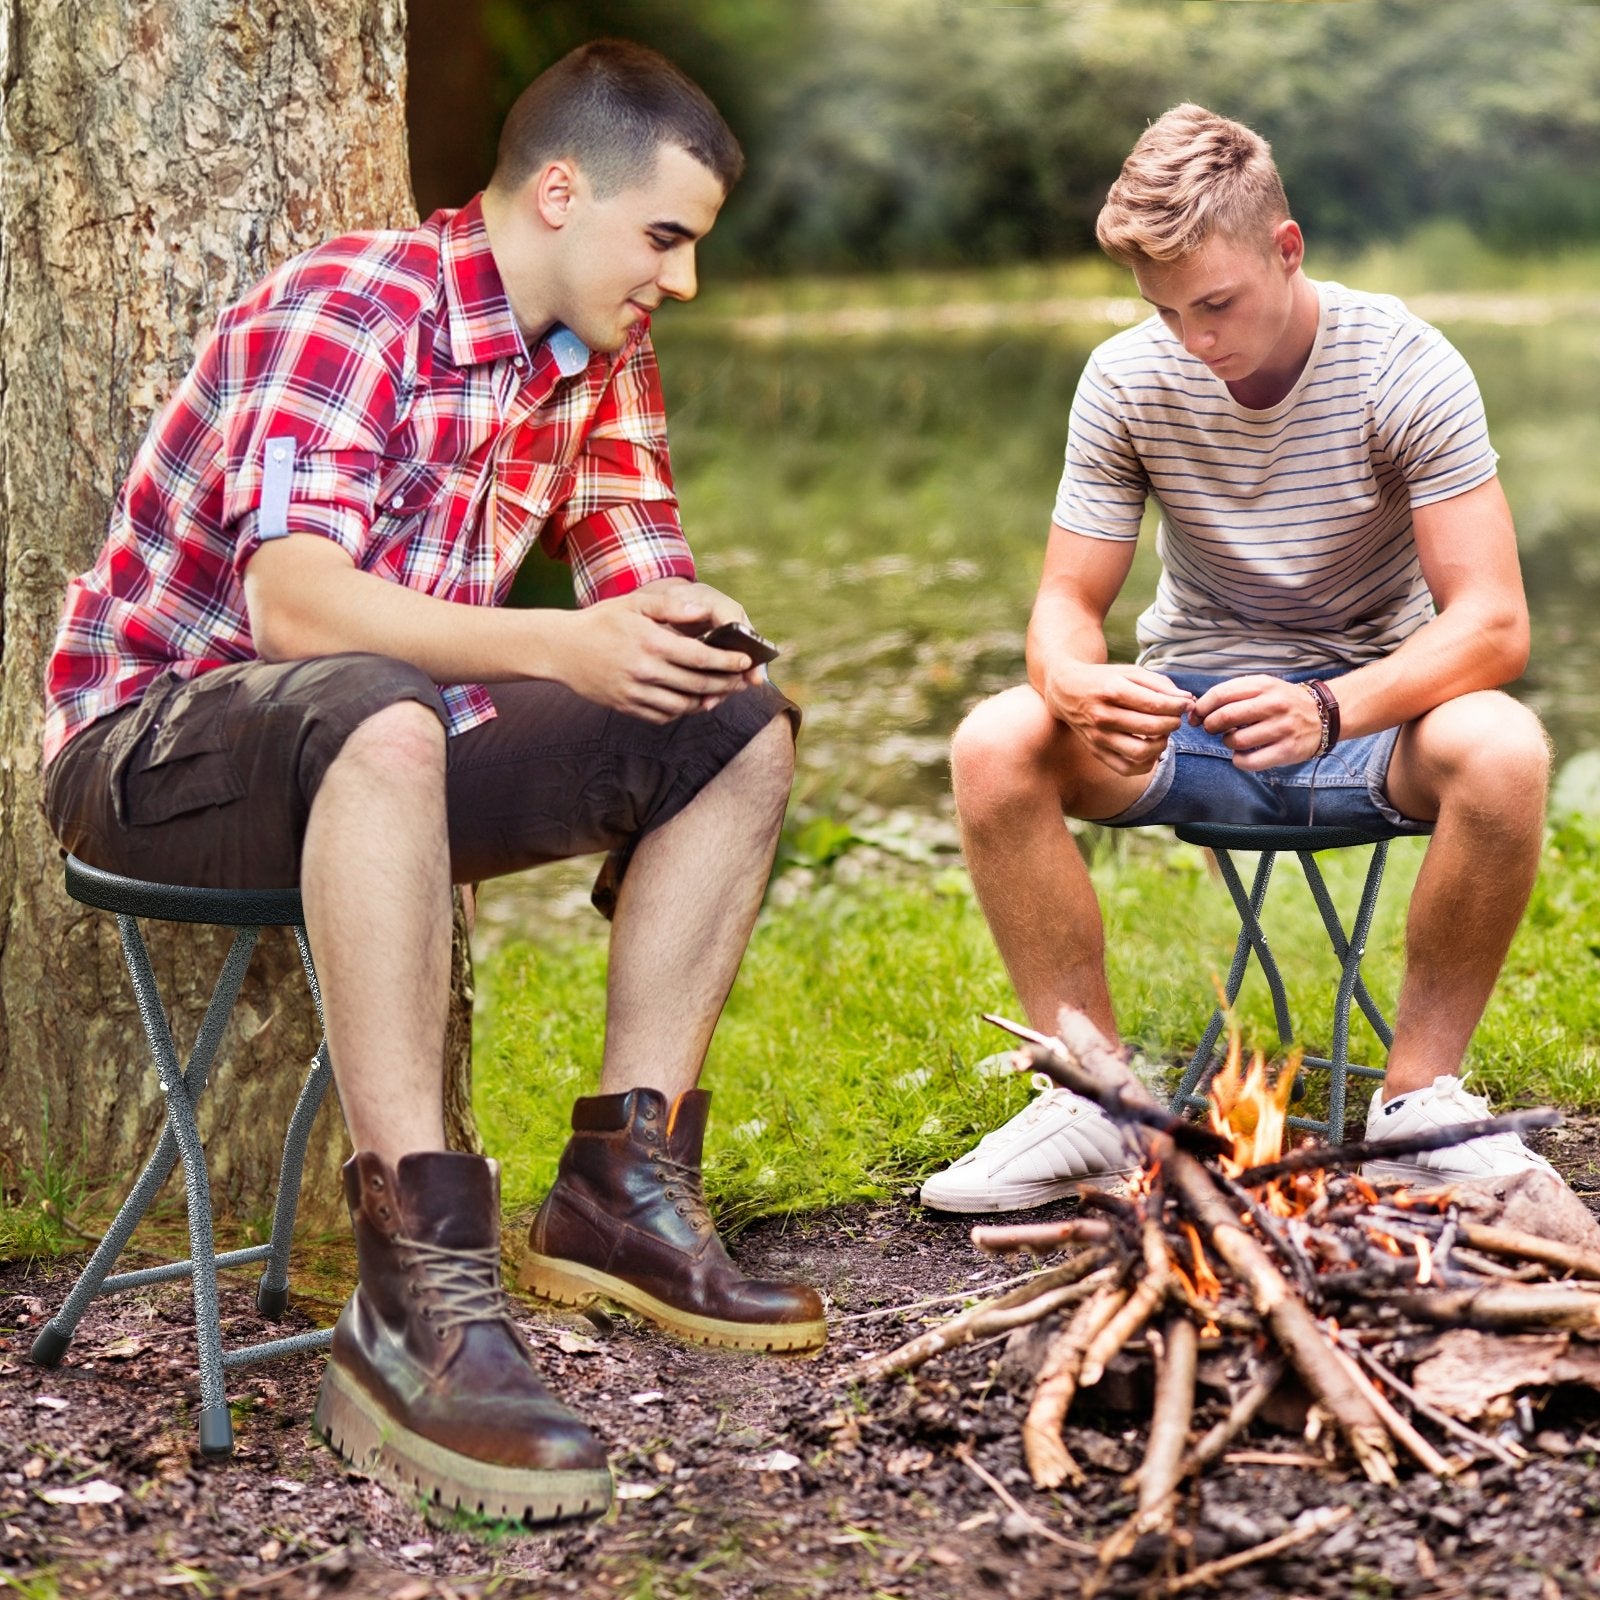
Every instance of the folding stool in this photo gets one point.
(247, 912)
(1266, 842)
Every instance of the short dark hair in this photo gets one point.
(609, 106)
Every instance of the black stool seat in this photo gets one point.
(1230, 836)
(177, 902)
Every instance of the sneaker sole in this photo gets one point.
(570, 1283)
(354, 1423)
(1017, 1198)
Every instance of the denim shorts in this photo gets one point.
(1196, 781)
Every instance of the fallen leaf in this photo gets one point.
(772, 1461)
(96, 1492)
(270, 1551)
(50, 1402)
(637, 1491)
(576, 1344)
(122, 1349)
(33, 1467)
(648, 1397)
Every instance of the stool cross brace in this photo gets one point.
(180, 1142)
(1190, 1093)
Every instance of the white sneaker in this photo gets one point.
(1053, 1147)
(1445, 1104)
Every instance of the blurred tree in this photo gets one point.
(926, 131)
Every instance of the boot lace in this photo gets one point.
(684, 1186)
(464, 1283)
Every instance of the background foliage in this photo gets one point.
(933, 131)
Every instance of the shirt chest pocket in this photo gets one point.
(531, 491)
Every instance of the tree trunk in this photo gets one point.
(156, 158)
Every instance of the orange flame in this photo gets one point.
(1206, 1284)
(1251, 1109)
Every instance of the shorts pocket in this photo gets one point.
(181, 760)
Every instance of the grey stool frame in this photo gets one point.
(246, 912)
(1267, 842)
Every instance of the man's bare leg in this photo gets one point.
(1015, 770)
(1480, 765)
(375, 881)
(684, 915)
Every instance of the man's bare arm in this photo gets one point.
(1125, 713)
(1478, 640)
(306, 597)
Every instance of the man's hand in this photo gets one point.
(1124, 714)
(1264, 721)
(638, 654)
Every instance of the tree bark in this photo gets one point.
(156, 158)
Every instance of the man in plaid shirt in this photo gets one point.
(290, 666)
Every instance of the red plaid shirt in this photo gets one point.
(427, 443)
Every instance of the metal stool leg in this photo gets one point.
(216, 1426)
(1190, 1092)
(53, 1339)
(1351, 987)
(272, 1292)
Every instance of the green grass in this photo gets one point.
(843, 1067)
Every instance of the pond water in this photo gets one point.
(876, 492)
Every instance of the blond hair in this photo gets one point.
(1192, 174)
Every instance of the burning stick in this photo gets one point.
(1028, 1302)
(1169, 1421)
(1040, 1236)
(1048, 1459)
(1243, 1413)
(1141, 1305)
(1513, 1242)
(1345, 1157)
(1287, 1316)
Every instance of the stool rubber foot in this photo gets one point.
(216, 1432)
(270, 1302)
(50, 1345)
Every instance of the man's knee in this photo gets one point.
(1487, 748)
(999, 753)
(400, 742)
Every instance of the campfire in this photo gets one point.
(1400, 1319)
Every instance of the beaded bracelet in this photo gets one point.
(1328, 712)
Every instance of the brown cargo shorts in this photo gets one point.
(210, 780)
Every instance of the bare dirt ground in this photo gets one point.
(737, 1477)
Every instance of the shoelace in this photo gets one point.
(466, 1282)
(684, 1186)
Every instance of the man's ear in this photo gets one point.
(554, 188)
(1289, 243)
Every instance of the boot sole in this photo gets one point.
(354, 1424)
(570, 1283)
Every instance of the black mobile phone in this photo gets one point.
(740, 636)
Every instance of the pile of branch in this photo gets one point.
(1298, 1266)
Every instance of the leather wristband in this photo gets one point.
(1327, 712)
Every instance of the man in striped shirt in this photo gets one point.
(1339, 603)
(290, 666)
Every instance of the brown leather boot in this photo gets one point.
(430, 1387)
(627, 1222)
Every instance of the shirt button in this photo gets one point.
(398, 501)
(520, 363)
(280, 454)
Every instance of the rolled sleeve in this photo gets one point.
(326, 376)
(626, 547)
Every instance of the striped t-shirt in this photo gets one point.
(1285, 535)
